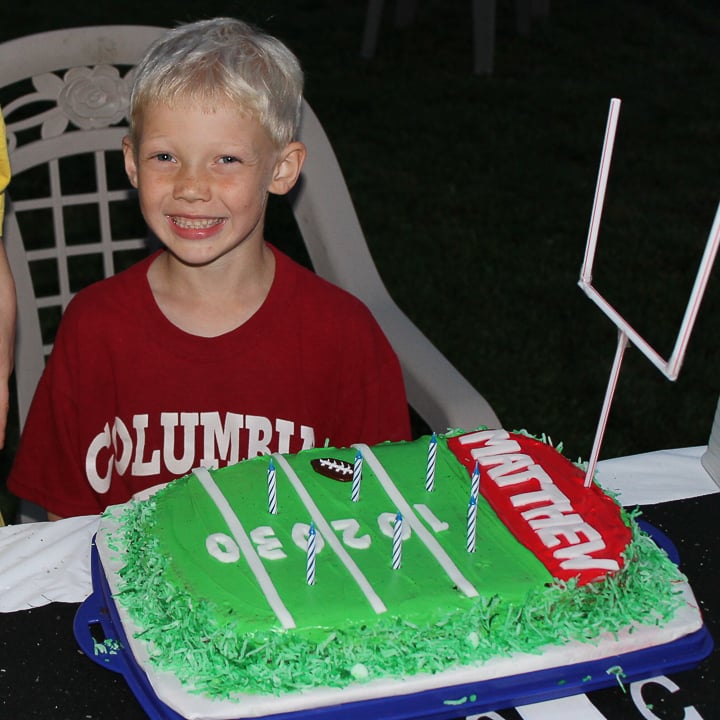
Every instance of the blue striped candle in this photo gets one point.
(310, 567)
(397, 542)
(272, 489)
(357, 477)
(475, 481)
(432, 458)
(471, 523)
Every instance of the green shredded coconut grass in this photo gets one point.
(210, 658)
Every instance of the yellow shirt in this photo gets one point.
(4, 170)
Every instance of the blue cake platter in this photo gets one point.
(100, 634)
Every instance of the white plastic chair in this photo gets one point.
(335, 242)
(70, 99)
(50, 121)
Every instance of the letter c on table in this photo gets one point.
(636, 689)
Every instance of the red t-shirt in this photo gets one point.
(128, 400)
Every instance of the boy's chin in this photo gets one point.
(202, 258)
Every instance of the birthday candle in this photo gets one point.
(397, 542)
(432, 456)
(357, 477)
(471, 523)
(272, 489)
(310, 567)
(475, 481)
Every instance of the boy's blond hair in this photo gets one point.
(220, 61)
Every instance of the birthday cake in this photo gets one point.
(295, 582)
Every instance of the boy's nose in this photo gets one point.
(192, 186)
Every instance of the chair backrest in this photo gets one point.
(78, 223)
(73, 217)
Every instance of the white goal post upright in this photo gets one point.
(626, 333)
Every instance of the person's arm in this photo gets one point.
(7, 296)
(7, 337)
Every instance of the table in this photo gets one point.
(44, 575)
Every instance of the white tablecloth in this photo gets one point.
(657, 477)
(45, 562)
(42, 563)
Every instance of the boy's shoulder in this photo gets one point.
(327, 314)
(120, 289)
(312, 290)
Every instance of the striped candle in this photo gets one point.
(432, 457)
(397, 542)
(471, 523)
(475, 481)
(310, 566)
(357, 477)
(272, 489)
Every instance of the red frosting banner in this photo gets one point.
(575, 531)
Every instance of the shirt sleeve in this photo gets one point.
(48, 469)
(374, 407)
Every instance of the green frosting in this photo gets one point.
(208, 623)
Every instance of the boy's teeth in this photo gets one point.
(195, 224)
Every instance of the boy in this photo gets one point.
(218, 347)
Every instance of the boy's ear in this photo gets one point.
(288, 167)
(130, 162)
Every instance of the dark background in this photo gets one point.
(475, 196)
(475, 192)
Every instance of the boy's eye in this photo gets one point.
(163, 157)
(228, 159)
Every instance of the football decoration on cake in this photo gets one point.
(333, 468)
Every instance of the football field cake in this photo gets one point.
(342, 575)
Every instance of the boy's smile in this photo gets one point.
(203, 177)
(195, 228)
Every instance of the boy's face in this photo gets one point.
(203, 178)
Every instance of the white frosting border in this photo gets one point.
(167, 687)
